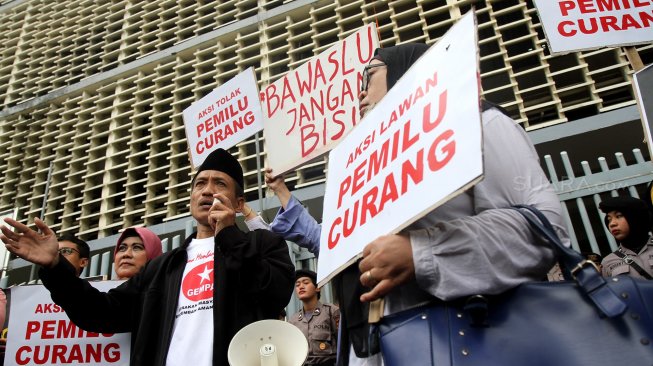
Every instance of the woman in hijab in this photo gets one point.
(474, 243)
(384, 70)
(629, 221)
(135, 247)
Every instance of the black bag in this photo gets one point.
(589, 321)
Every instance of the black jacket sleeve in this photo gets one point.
(261, 262)
(88, 307)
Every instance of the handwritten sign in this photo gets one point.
(314, 106)
(573, 25)
(420, 146)
(40, 333)
(224, 117)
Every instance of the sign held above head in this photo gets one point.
(574, 25)
(311, 108)
(226, 116)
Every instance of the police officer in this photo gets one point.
(629, 221)
(318, 322)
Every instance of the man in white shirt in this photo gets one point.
(185, 306)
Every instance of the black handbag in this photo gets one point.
(585, 321)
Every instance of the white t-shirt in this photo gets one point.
(192, 334)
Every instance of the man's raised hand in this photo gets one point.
(39, 248)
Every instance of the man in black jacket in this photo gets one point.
(185, 306)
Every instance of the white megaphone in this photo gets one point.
(268, 343)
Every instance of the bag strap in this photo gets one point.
(569, 258)
(583, 271)
(629, 261)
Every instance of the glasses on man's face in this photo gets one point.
(68, 251)
(367, 76)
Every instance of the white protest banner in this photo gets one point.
(314, 106)
(643, 84)
(40, 333)
(573, 25)
(226, 116)
(416, 149)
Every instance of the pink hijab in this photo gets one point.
(150, 240)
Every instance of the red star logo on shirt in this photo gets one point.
(197, 285)
(206, 275)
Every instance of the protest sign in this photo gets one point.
(573, 25)
(643, 84)
(419, 147)
(226, 116)
(314, 106)
(40, 333)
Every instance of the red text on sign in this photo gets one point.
(47, 309)
(224, 132)
(602, 16)
(316, 75)
(593, 6)
(569, 28)
(409, 101)
(396, 183)
(62, 328)
(75, 354)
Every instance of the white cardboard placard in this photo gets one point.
(226, 116)
(420, 146)
(40, 333)
(582, 25)
(311, 108)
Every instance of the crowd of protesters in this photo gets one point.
(245, 277)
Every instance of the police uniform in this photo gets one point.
(635, 254)
(615, 263)
(321, 331)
